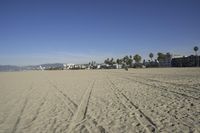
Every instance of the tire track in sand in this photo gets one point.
(78, 121)
(172, 117)
(21, 111)
(71, 105)
(145, 121)
(20, 115)
(80, 114)
(161, 87)
(184, 85)
(36, 113)
(183, 90)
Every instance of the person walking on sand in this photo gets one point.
(126, 67)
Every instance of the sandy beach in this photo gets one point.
(97, 101)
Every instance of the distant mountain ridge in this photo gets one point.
(11, 68)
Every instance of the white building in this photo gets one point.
(64, 66)
(70, 66)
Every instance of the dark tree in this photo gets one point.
(107, 61)
(119, 61)
(196, 49)
(151, 56)
(125, 60)
(168, 56)
(161, 57)
(137, 58)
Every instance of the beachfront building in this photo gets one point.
(64, 66)
(185, 61)
(117, 66)
(164, 63)
(70, 66)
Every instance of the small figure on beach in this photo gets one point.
(126, 68)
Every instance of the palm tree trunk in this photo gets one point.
(197, 60)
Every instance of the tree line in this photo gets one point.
(128, 60)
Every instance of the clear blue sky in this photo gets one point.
(73, 31)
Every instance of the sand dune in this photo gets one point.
(98, 101)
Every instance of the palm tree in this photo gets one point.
(125, 60)
(137, 58)
(111, 61)
(161, 56)
(129, 62)
(118, 61)
(168, 55)
(107, 61)
(151, 56)
(196, 49)
(168, 58)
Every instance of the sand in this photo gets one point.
(98, 101)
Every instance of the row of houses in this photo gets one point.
(190, 61)
(176, 61)
(181, 61)
(74, 66)
(89, 66)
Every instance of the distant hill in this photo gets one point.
(53, 65)
(11, 68)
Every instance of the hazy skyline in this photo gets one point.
(36, 32)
